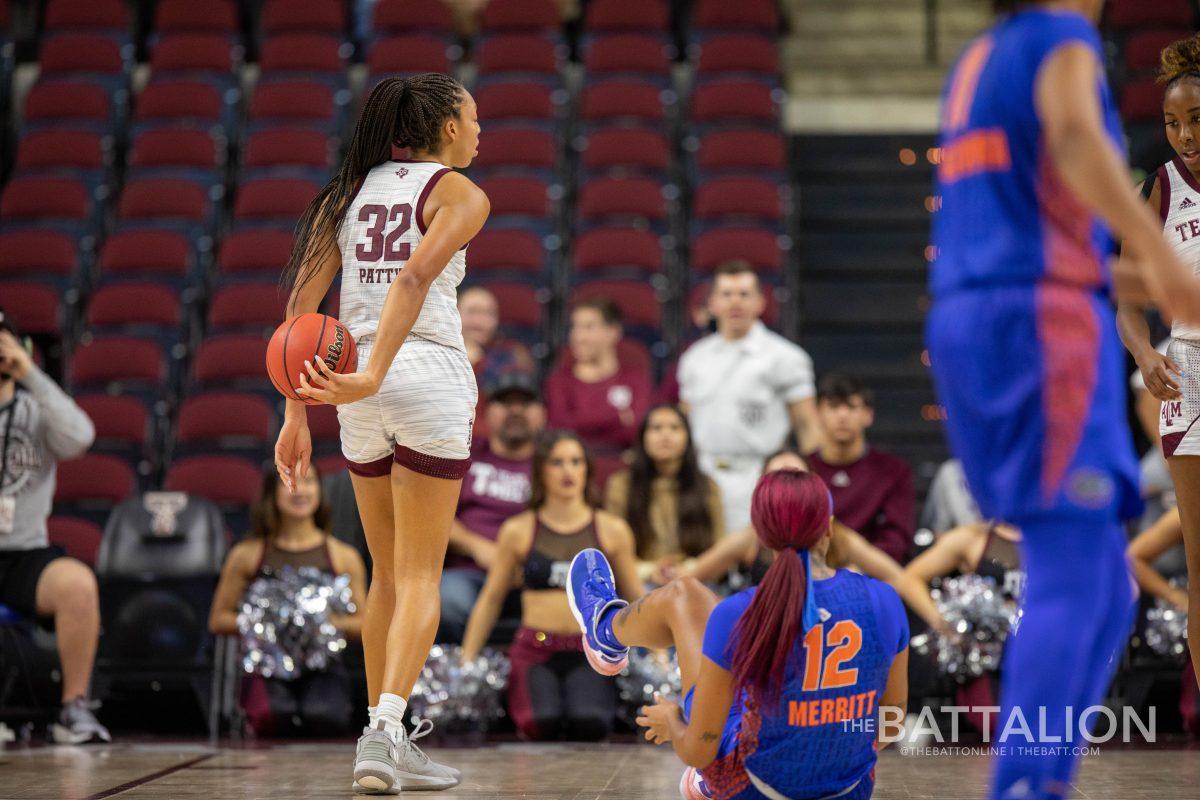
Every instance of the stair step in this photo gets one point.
(895, 305)
(824, 77)
(870, 204)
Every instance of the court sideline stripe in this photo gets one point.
(153, 776)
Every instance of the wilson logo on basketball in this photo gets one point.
(333, 352)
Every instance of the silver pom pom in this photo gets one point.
(981, 620)
(1166, 627)
(284, 622)
(460, 696)
(648, 671)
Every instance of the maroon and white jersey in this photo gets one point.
(1179, 207)
(382, 228)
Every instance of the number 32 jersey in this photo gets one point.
(382, 228)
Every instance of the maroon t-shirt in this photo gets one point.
(593, 410)
(494, 489)
(874, 496)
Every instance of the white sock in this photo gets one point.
(372, 715)
(390, 711)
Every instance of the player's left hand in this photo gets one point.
(323, 384)
(656, 719)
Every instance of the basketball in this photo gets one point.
(301, 338)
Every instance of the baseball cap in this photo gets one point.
(514, 383)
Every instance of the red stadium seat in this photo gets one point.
(308, 101)
(225, 480)
(111, 15)
(761, 15)
(34, 306)
(81, 52)
(516, 195)
(738, 196)
(110, 359)
(178, 100)
(175, 147)
(266, 198)
(79, 537)
(302, 52)
(698, 298)
(1141, 100)
(164, 253)
(517, 52)
(623, 99)
(331, 464)
(520, 15)
(211, 16)
(734, 100)
(505, 100)
(628, 52)
(605, 248)
(278, 147)
(518, 147)
(225, 419)
(255, 250)
(1133, 14)
(622, 15)
(643, 148)
(738, 52)
(192, 52)
(507, 250)
(245, 305)
(741, 149)
(62, 149)
(519, 304)
(37, 197)
(408, 54)
(611, 197)
(94, 478)
(120, 420)
(37, 253)
(230, 357)
(637, 300)
(405, 16)
(67, 100)
(164, 198)
(758, 246)
(317, 16)
(323, 423)
(139, 303)
(1144, 48)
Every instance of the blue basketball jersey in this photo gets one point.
(1006, 217)
(820, 738)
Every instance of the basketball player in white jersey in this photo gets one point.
(397, 230)
(1174, 378)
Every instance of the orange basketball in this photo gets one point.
(301, 338)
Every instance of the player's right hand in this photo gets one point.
(1161, 374)
(293, 450)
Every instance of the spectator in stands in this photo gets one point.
(872, 490)
(39, 426)
(949, 503)
(597, 396)
(552, 690)
(496, 487)
(672, 507)
(291, 529)
(744, 388)
(490, 357)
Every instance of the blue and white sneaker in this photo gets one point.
(591, 591)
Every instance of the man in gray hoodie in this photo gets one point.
(40, 425)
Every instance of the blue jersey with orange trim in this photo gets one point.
(820, 739)
(1006, 215)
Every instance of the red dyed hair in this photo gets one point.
(791, 510)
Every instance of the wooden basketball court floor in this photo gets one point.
(510, 771)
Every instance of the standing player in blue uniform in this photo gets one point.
(780, 681)
(1024, 348)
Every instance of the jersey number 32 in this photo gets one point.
(377, 246)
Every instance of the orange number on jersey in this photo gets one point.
(849, 638)
(957, 111)
(845, 637)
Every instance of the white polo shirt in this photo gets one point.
(738, 391)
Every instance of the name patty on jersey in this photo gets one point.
(378, 274)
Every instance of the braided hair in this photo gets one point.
(401, 112)
(1180, 60)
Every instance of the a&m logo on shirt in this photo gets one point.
(1171, 411)
(620, 397)
(400, 173)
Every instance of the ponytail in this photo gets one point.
(1180, 60)
(766, 634)
(402, 112)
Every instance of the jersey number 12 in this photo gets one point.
(377, 246)
(845, 637)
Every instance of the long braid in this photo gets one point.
(405, 112)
